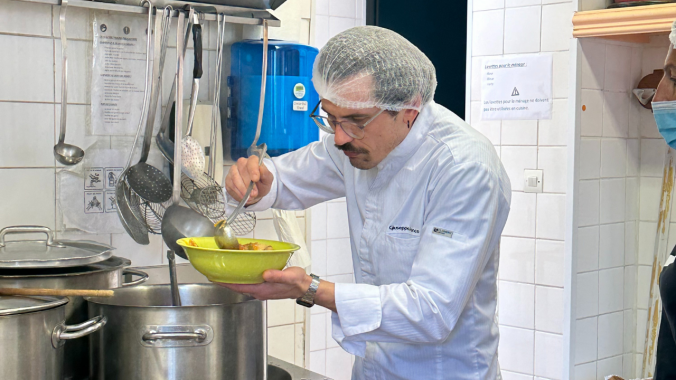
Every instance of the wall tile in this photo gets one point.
(281, 312)
(343, 8)
(77, 125)
(281, 342)
(634, 118)
(79, 68)
(651, 188)
(561, 75)
(643, 289)
(340, 24)
(588, 5)
(628, 364)
(516, 159)
(553, 161)
(592, 113)
(588, 203)
(548, 309)
(555, 130)
(487, 33)
(522, 30)
(586, 340)
(632, 198)
(557, 27)
(548, 355)
(629, 329)
(610, 366)
(618, 68)
(587, 294)
(592, 64)
(25, 119)
(646, 242)
(611, 254)
(27, 197)
(318, 218)
(322, 7)
(648, 125)
(318, 249)
(629, 287)
(521, 3)
(338, 364)
(641, 319)
(488, 128)
(338, 257)
(517, 259)
(517, 304)
(322, 34)
(549, 261)
(265, 229)
(475, 88)
(516, 349)
(519, 132)
(653, 59)
(652, 157)
(140, 255)
(317, 333)
(551, 216)
(25, 18)
(330, 342)
(590, 158)
(611, 290)
(585, 371)
(615, 114)
(336, 223)
(612, 200)
(26, 69)
(506, 375)
(630, 243)
(613, 158)
(318, 359)
(587, 248)
(77, 23)
(633, 157)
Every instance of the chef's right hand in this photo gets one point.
(242, 173)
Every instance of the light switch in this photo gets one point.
(532, 181)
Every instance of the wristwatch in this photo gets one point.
(308, 299)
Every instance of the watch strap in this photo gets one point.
(308, 299)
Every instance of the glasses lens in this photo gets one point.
(353, 130)
(323, 124)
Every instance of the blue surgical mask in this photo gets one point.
(665, 117)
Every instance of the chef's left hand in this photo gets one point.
(291, 282)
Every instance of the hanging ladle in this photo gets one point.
(66, 154)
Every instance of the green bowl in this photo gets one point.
(235, 266)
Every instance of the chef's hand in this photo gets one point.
(291, 282)
(241, 174)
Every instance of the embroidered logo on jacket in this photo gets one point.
(404, 229)
(442, 232)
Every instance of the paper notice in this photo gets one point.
(118, 74)
(517, 88)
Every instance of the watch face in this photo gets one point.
(303, 303)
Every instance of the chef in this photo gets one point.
(427, 199)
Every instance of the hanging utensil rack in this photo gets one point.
(233, 15)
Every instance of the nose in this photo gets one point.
(342, 137)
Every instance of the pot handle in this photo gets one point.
(176, 336)
(27, 230)
(135, 272)
(64, 332)
(199, 336)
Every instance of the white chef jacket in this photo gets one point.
(425, 226)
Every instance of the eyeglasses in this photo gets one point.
(350, 128)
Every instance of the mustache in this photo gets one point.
(348, 147)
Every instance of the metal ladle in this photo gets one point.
(66, 154)
(180, 222)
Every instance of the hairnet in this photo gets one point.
(368, 66)
(672, 35)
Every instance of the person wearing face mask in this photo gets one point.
(664, 111)
(427, 199)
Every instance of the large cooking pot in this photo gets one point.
(107, 274)
(32, 335)
(216, 334)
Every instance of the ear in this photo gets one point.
(409, 116)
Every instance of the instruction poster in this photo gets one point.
(118, 74)
(516, 88)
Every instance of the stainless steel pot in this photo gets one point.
(107, 274)
(32, 335)
(216, 334)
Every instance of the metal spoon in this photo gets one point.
(66, 154)
(180, 222)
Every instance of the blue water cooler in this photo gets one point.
(289, 96)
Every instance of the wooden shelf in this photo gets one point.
(633, 24)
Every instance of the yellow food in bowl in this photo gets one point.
(236, 266)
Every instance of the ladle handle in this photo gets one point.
(64, 70)
(178, 121)
(149, 128)
(264, 75)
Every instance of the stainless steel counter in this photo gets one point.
(281, 370)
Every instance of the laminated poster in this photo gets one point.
(118, 73)
(516, 88)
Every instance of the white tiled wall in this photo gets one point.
(531, 279)
(330, 237)
(30, 85)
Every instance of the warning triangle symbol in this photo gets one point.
(515, 92)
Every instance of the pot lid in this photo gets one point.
(11, 305)
(49, 253)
